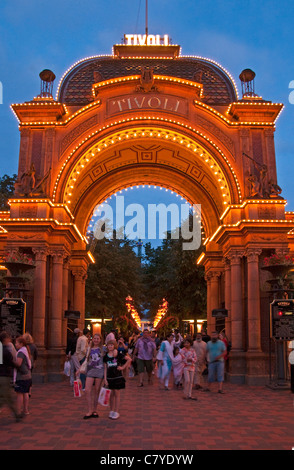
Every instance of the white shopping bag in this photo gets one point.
(66, 369)
(104, 396)
(77, 388)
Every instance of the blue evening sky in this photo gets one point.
(39, 34)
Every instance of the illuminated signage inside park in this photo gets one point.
(146, 40)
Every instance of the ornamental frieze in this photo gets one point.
(76, 132)
(214, 130)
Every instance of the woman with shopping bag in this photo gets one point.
(92, 367)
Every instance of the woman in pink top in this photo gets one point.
(189, 358)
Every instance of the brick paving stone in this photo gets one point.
(244, 418)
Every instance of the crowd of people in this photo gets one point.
(111, 362)
(193, 364)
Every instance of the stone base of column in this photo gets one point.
(257, 368)
(236, 367)
(55, 364)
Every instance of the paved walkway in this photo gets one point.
(152, 419)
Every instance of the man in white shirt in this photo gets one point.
(200, 348)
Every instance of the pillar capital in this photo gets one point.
(80, 274)
(282, 251)
(58, 255)
(226, 263)
(41, 253)
(235, 256)
(253, 254)
(213, 275)
(67, 261)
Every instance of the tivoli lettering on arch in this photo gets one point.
(147, 102)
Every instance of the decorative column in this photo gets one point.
(65, 299)
(212, 296)
(237, 361)
(209, 318)
(39, 309)
(79, 293)
(253, 299)
(236, 300)
(55, 333)
(227, 266)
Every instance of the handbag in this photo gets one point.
(104, 396)
(84, 366)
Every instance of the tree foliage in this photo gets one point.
(6, 190)
(165, 272)
(172, 273)
(115, 275)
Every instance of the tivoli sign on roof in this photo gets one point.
(149, 40)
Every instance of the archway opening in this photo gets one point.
(143, 252)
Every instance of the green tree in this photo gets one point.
(6, 190)
(172, 273)
(115, 275)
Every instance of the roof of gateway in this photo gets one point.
(76, 85)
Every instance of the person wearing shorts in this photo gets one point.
(95, 375)
(216, 350)
(146, 350)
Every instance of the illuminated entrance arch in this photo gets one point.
(147, 115)
(147, 155)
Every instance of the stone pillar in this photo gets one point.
(55, 333)
(39, 310)
(39, 313)
(227, 265)
(256, 360)
(55, 353)
(65, 300)
(209, 318)
(236, 300)
(212, 278)
(253, 299)
(237, 363)
(79, 293)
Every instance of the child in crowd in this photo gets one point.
(94, 375)
(189, 357)
(114, 365)
(177, 367)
